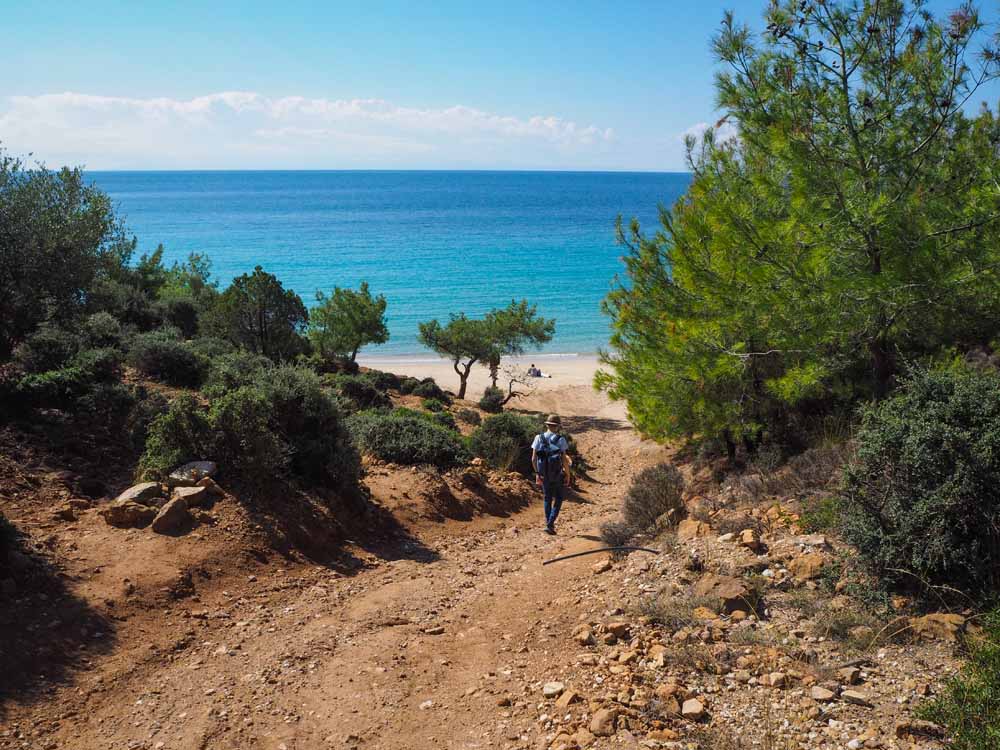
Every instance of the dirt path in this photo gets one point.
(447, 652)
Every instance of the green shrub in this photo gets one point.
(432, 404)
(212, 348)
(56, 389)
(181, 434)
(182, 314)
(357, 393)
(231, 371)
(103, 330)
(307, 419)
(654, 491)
(921, 501)
(384, 381)
(147, 406)
(504, 441)
(469, 416)
(162, 356)
(243, 442)
(969, 707)
(492, 400)
(110, 402)
(283, 422)
(405, 438)
(820, 514)
(407, 385)
(101, 365)
(48, 348)
(428, 388)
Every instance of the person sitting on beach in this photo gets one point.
(534, 372)
(548, 456)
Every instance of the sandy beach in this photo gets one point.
(565, 370)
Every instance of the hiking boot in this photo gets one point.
(550, 529)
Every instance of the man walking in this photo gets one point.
(548, 456)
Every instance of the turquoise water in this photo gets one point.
(432, 242)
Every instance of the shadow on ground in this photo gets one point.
(47, 634)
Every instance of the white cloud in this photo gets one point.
(247, 129)
(724, 131)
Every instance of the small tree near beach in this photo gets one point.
(347, 320)
(463, 340)
(502, 332)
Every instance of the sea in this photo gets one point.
(434, 243)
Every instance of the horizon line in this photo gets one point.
(385, 170)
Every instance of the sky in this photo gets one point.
(363, 85)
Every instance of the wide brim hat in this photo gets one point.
(553, 419)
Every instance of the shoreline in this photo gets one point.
(569, 369)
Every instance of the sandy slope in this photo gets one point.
(415, 650)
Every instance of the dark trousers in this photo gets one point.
(553, 500)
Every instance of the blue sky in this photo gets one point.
(547, 85)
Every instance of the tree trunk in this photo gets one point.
(883, 366)
(463, 376)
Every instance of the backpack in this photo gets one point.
(550, 461)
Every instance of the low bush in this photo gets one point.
(211, 348)
(820, 513)
(921, 501)
(405, 438)
(504, 441)
(181, 434)
(147, 406)
(283, 422)
(357, 393)
(111, 403)
(384, 381)
(103, 330)
(231, 371)
(161, 355)
(48, 348)
(969, 706)
(183, 315)
(654, 491)
(492, 400)
(432, 404)
(309, 422)
(616, 533)
(407, 385)
(428, 388)
(469, 416)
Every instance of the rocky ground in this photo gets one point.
(447, 630)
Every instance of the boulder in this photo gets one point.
(553, 689)
(693, 709)
(603, 723)
(940, 626)
(821, 694)
(751, 540)
(726, 594)
(146, 493)
(194, 497)
(190, 474)
(171, 517)
(856, 697)
(128, 514)
(807, 567)
(689, 528)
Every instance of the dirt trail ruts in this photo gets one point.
(409, 653)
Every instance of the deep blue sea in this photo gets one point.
(432, 242)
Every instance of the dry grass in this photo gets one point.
(674, 612)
